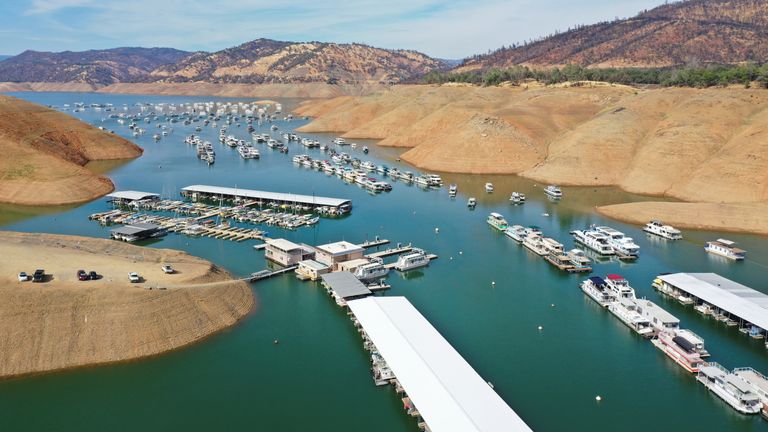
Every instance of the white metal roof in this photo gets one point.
(314, 265)
(446, 390)
(726, 294)
(340, 248)
(270, 196)
(133, 195)
(282, 244)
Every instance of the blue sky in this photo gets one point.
(446, 29)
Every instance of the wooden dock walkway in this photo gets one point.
(264, 274)
(390, 252)
(375, 243)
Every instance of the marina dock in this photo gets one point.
(437, 385)
(724, 299)
(324, 205)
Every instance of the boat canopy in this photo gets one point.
(684, 343)
(598, 281)
(615, 277)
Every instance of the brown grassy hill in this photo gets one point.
(66, 323)
(718, 31)
(99, 67)
(45, 153)
(707, 146)
(269, 61)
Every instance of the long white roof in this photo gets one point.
(270, 196)
(132, 195)
(726, 294)
(446, 390)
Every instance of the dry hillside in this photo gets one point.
(45, 154)
(718, 31)
(706, 146)
(269, 61)
(65, 323)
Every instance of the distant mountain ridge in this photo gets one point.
(693, 31)
(3, 57)
(93, 67)
(255, 62)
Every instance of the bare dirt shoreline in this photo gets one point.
(46, 153)
(697, 145)
(65, 323)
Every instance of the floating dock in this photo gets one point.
(338, 205)
(441, 388)
(735, 302)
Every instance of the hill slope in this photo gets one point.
(269, 61)
(93, 67)
(718, 31)
(45, 154)
(707, 146)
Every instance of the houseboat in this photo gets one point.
(593, 240)
(414, 259)
(471, 202)
(622, 245)
(535, 243)
(489, 187)
(597, 289)
(625, 309)
(729, 387)
(371, 271)
(553, 191)
(666, 231)
(497, 221)
(517, 198)
(725, 248)
(678, 349)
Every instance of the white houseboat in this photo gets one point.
(553, 191)
(596, 288)
(414, 259)
(725, 248)
(666, 231)
(729, 387)
(593, 240)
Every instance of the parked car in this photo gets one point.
(23, 277)
(134, 277)
(93, 275)
(39, 275)
(82, 275)
(168, 269)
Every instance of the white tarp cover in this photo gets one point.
(449, 394)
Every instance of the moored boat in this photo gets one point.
(726, 248)
(666, 231)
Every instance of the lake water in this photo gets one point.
(318, 377)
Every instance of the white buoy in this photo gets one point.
(493, 283)
(541, 328)
(461, 253)
(552, 305)
(437, 230)
(598, 398)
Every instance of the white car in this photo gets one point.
(23, 277)
(168, 269)
(133, 277)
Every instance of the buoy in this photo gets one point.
(598, 398)
(493, 283)
(541, 328)
(276, 342)
(437, 230)
(451, 258)
(461, 253)
(552, 305)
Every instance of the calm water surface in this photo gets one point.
(317, 378)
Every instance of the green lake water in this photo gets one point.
(318, 379)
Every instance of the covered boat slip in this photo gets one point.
(345, 285)
(276, 197)
(448, 393)
(732, 297)
(130, 196)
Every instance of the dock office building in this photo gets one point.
(332, 254)
(287, 253)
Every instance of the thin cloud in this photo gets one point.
(449, 29)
